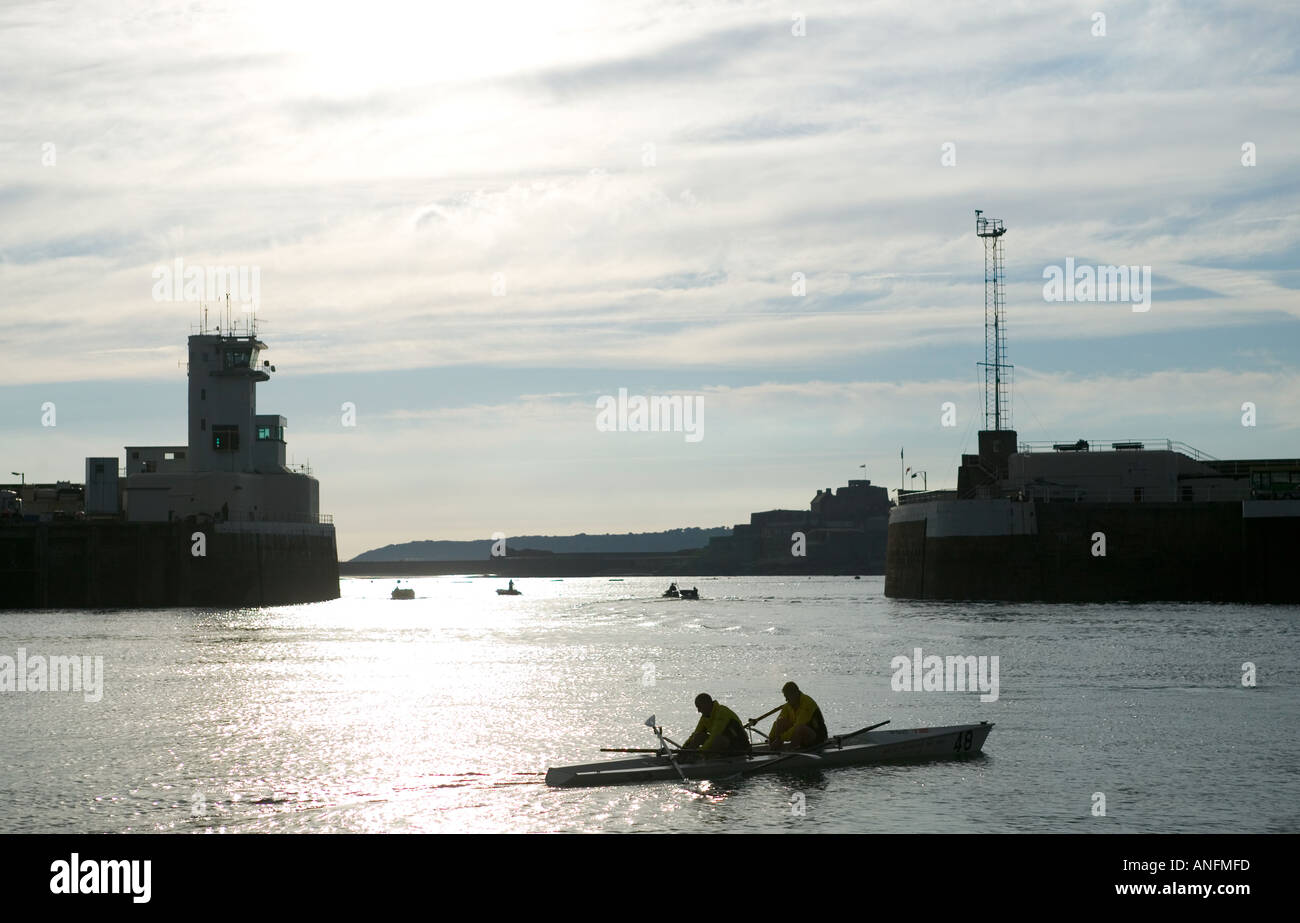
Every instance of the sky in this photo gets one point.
(471, 222)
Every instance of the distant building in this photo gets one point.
(843, 532)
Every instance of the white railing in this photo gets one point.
(304, 525)
(1213, 494)
(1116, 445)
(923, 496)
(243, 515)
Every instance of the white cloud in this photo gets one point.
(380, 166)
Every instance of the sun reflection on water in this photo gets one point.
(441, 713)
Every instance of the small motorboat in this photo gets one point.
(403, 593)
(859, 748)
(692, 593)
(509, 591)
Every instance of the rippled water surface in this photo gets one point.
(442, 713)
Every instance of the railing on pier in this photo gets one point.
(322, 524)
(923, 496)
(323, 519)
(1183, 493)
(1117, 445)
(239, 515)
(1214, 493)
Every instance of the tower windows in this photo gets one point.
(239, 358)
(225, 438)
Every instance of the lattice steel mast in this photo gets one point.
(997, 372)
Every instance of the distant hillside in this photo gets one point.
(672, 540)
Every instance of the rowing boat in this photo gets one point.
(857, 749)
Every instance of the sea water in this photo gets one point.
(442, 713)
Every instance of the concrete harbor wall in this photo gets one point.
(1154, 551)
(115, 564)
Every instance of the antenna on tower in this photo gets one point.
(997, 371)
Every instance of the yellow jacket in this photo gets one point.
(807, 713)
(714, 727)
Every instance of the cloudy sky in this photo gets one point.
(473, 220)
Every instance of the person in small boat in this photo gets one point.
(511, 588)
(719, 731)
(800, 723)
(672, 590)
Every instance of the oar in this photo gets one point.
(812, 752)
(778, 761)
(754, 721)
(673, 759)
(749, 726)
(659, 732)
(711, 753)
(842, 737)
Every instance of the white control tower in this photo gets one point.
(233, 467)
(224, 373)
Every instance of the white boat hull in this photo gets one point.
(953, 742)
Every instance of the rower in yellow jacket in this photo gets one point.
(719, 730)
(800, 723)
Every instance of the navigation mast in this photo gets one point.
(997, 371)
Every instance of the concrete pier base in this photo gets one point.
(114, 564)
(975, 550)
